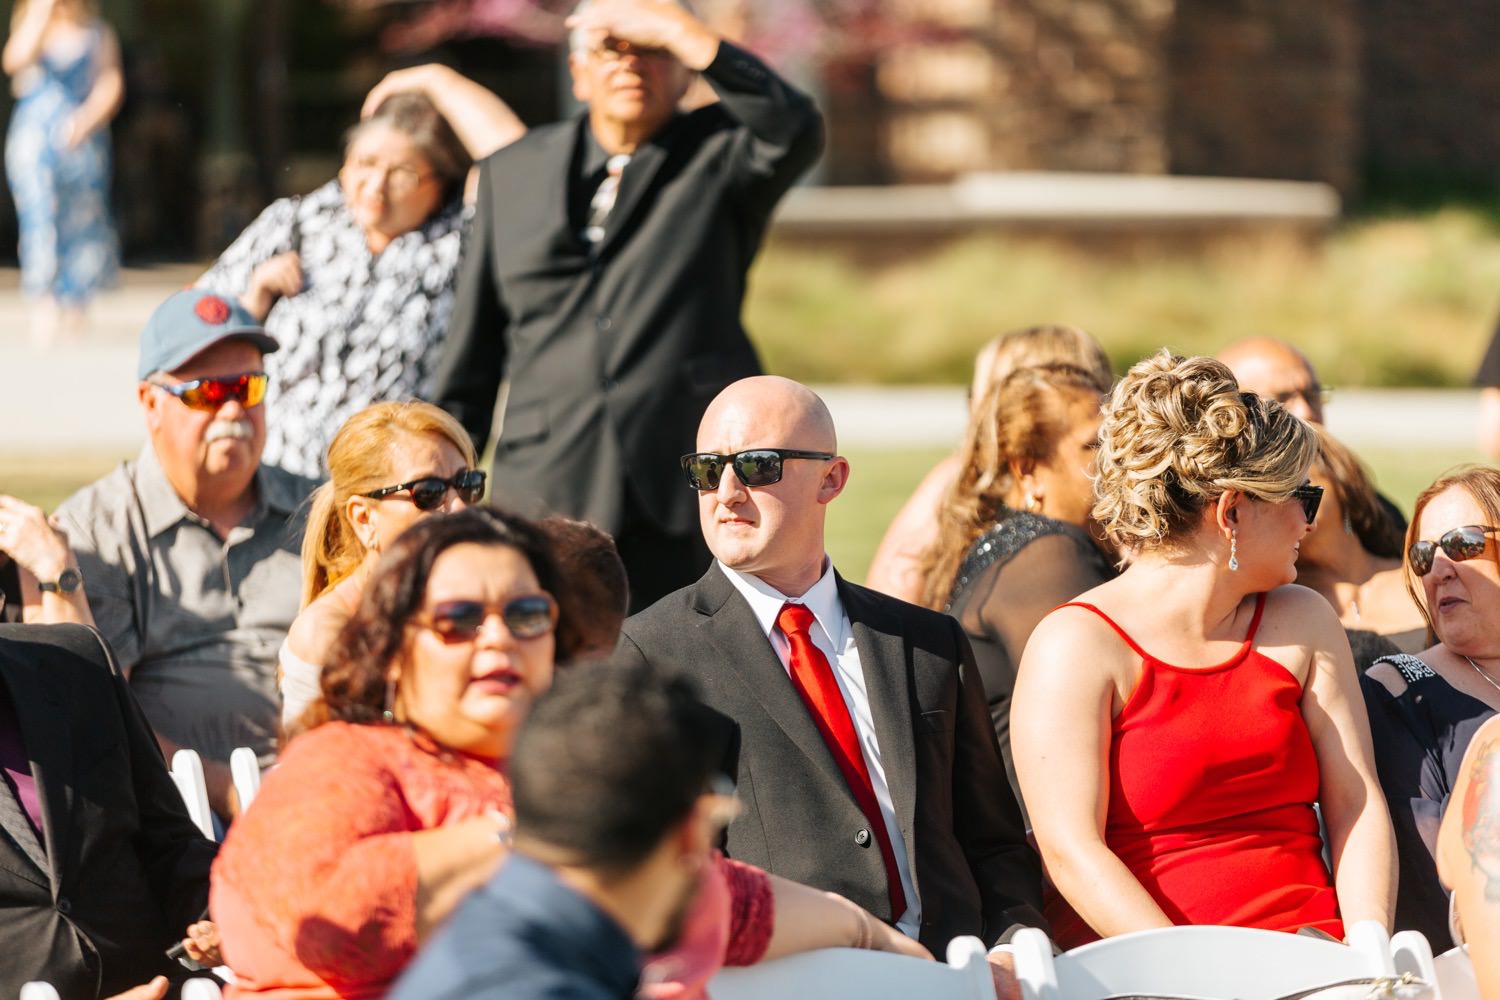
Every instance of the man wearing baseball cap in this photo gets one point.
(190, 552)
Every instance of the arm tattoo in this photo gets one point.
(1481, 829)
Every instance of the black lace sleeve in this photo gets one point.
(1002, 600)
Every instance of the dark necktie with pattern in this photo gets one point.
(603, 201)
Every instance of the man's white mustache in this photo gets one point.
(228, 429)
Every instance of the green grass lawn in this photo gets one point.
(880, 481)
(1392, 301)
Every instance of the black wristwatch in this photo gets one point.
(67, 582)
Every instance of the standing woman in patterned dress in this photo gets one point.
(355, 279)
(64, 64)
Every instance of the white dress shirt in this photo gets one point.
(832, 633)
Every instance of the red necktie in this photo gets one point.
(813, 678)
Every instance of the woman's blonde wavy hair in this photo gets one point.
(1022, 417)
(1177, 434)
(1046, 344)
(360, 459)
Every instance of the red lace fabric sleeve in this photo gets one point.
(324, 860)
(752, 912)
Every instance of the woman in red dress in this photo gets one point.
(1176, 726)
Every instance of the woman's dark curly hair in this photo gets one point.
(354, 685)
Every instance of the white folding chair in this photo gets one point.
(1455, 975)
(187, 772)
(39, 991)
(244, 768)
(847, 974)
(1239, 962)
(201, 989)
(1412, 954)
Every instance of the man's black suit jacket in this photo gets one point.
(127, 869)
(614, 353)
(966, 845)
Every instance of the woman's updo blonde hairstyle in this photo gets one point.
(1177, 433)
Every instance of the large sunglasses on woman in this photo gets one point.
(429, 492)
(1459, 544)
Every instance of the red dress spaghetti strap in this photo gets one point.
(1212, 780)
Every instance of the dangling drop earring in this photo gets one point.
(390, 700)
(1030, 503)
(1234, 540)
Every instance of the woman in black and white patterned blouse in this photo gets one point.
(355, 279)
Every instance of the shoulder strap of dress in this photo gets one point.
(1260, 609)
(1411, 668)
(1112, 624)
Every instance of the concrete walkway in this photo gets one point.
(80, 397)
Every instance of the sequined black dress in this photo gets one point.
(1013, 575)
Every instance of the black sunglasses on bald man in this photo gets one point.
(755, 467)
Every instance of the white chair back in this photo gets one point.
(847, 974)
(187, 772)
(244, 767)
(201, 989)
(1239, 962)
(39, 991)
(1455, 975)
(1411, 953)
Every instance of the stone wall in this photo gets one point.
(1431, 102)
(1027, 85)
(1254, 88)
(1264, 88)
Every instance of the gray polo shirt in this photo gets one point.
(194, 619)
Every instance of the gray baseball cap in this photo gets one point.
(191, 321)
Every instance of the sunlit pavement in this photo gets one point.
(80, 396)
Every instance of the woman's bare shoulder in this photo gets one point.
(316, 627)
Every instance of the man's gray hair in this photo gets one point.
(576, 43)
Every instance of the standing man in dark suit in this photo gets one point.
(101, 870)
(867, 763)
(605, 271)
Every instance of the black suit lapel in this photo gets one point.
(740, 644)
(42, 716)
(882, 655)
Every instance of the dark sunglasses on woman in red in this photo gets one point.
(1311, 498)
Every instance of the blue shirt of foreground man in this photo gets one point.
(616, 816)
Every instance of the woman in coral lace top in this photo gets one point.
(384, 814)
(380, 818)
(1174, 729)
